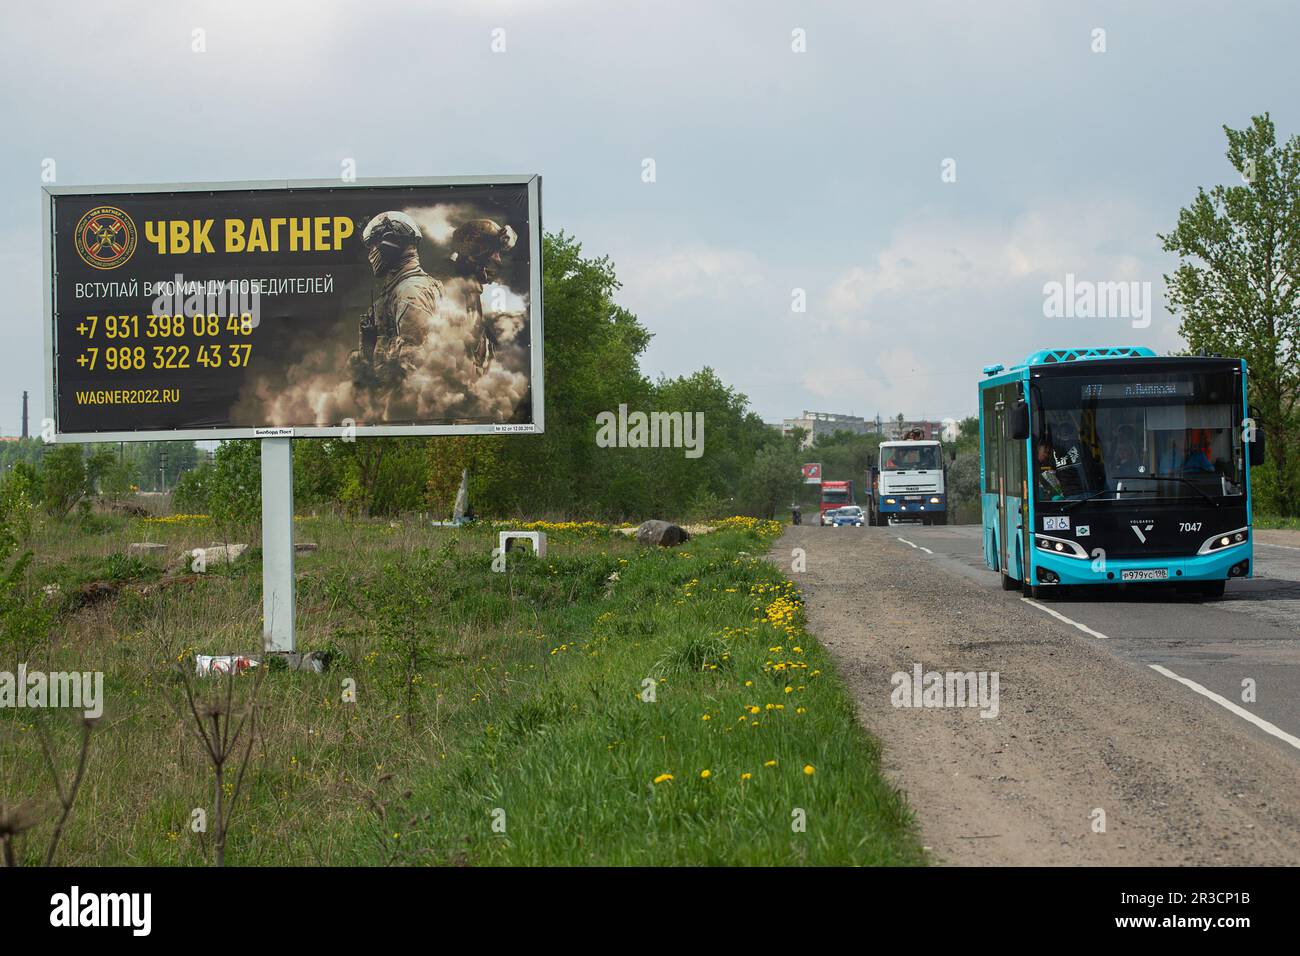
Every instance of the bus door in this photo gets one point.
(1001, 433)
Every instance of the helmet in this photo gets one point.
(393, 229)
(479, 239)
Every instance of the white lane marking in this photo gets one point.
(1241, 712)
(1284, 547)
(1061, 617)
(917, 546)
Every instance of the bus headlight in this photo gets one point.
(934, 501)
(890, 501)
(1062, 546)
(1228, 540)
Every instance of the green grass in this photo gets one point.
(1265, 522)
(513, 702)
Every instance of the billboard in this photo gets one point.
(243, 310)
(812, 473)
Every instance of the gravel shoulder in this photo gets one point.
(1078, 731)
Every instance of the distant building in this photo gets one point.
(816, 424)
(827, 423)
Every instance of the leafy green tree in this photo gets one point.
(117, 477)
(99, 462)
(235, 486)
(190, 495)
(772, 479)
(1236, 290)
(19, 495)
(64, 480)
(24, 618)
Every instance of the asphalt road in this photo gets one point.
(1120, 734)
(1252, 634)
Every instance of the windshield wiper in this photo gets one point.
(1079, 501)
(1129, 491)
(1187, 482)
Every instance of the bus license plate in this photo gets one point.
(1145, 574)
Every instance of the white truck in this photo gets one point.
(908, 483)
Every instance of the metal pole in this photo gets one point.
(277, 546)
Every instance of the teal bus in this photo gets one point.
(1115, 466)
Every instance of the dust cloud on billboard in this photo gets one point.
(311, 309)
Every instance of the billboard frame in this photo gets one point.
(535, 310)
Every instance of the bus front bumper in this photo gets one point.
(1229, 563)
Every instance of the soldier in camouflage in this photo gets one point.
(476, 253)
(394, 329)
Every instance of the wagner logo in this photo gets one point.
(105, 237)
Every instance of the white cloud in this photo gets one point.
(689, 272)
(948, 295)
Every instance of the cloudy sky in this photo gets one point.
(775, 170)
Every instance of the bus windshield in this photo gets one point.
(909, 457)
(1167, 434)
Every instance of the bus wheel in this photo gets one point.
(1213, 589)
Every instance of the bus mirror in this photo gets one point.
(1257, 449)
(1018, 424)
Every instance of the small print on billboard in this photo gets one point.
(235, 311)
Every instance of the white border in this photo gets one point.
(535, 310)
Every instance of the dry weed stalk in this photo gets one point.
(14, 821)
(219, 725)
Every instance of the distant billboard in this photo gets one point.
(240, 310)
(812, 474)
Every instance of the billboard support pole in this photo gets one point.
(277, 546)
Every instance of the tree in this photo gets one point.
(234, 485)
(191, 493)
(773, 479)
(1236, 290)
(64, 480)
(117, 477)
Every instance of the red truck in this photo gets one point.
(836, 494)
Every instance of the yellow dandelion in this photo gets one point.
(809, 769)
(663, 778)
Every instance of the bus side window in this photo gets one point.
(990, 441)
